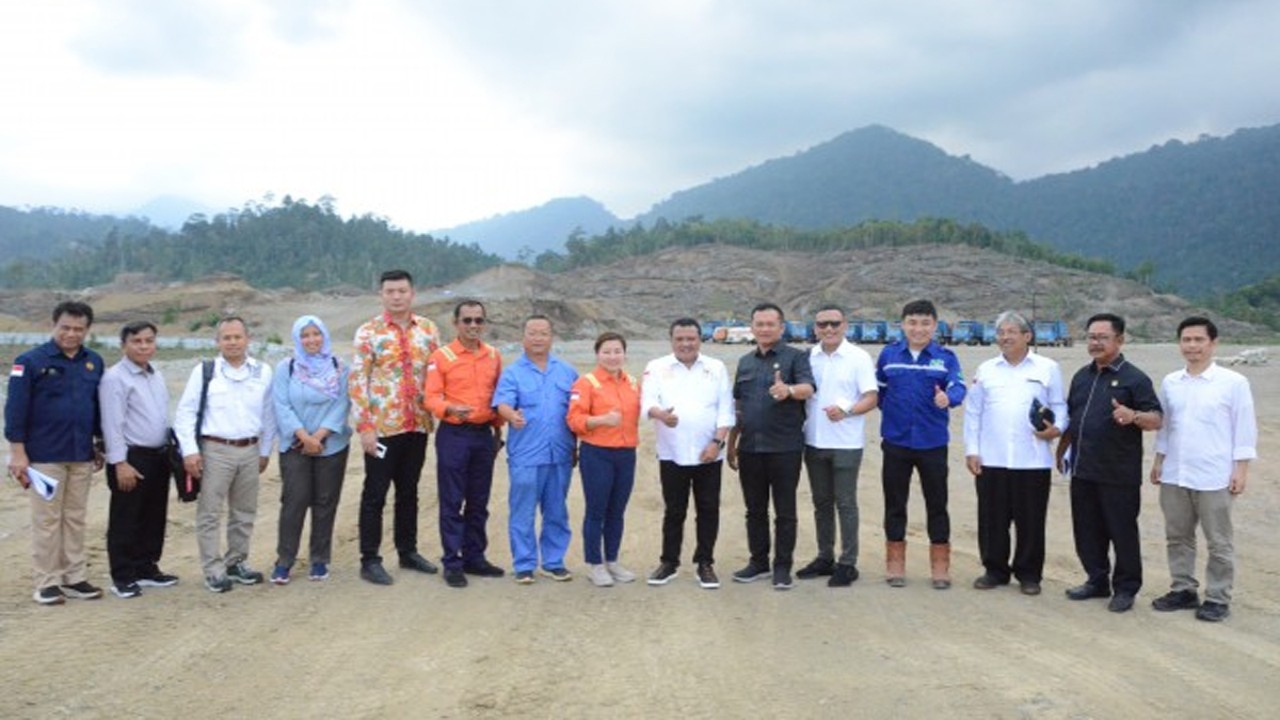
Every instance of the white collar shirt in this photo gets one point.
(1209, 424)
(134, 403)
(240, 406)
(997, 422)
(843, 377)
(701, 396)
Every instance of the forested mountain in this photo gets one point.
(1198, 217)
(295, 244)
(43, 232)
(524, 234)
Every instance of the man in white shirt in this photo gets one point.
(690, 399)
(833, 442)
(1009, 456)
(233, 447)
(1202, 462)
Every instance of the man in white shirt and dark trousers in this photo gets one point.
(1009, 456)
(135, 429)
(834, 439)
(690, 399)
(1202, 463)
(234, 447)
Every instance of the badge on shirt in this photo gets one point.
(88, 365)
(17, 371)
(431, 366)
(1115, 383)
(573, 397)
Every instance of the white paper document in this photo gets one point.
(43, 484)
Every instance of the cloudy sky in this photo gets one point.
(437, 112)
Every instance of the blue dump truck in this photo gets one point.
(1052, 332)
(872, 331)
(966, 332)
(942, 333)
(892, 331)
(795, 331)
(709, 329)
(853, 333)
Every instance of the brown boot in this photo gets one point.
(895, 563)
(940, 565)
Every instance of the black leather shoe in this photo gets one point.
(820, 567)
(1213, 611)
(1029, 587)
(987, 581)
(1086, 592)
(1121, 602)
(375, 573)
(484, 568)
(842, 576)
(415, 561)
(455, 578)
(1176, 600)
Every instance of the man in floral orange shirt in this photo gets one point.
(387, 376)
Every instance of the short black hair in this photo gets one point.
(135, 327)
(1117, 322)
(217, 331)
(829, 307)
(920, 307)
(1199, 321)
(684, 322)
(457, 309)
(74, 308)
(537, 316)
(765, 307)
(610, 335)
(391, 275)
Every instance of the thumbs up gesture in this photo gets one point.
(940, 398)
(1122, 415)
(779, 390)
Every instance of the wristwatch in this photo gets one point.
(719, 443)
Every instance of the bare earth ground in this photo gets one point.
(344, 648)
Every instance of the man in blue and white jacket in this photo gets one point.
(919, 381)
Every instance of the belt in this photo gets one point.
(478, 427)
(148, 450)
(239, 442)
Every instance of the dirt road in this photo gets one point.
(344, 648)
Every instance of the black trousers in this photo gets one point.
(136, 519)
(401, 467)
(1020, 498)
(762, 475)
(677, 482)
(1105, 516)
(895, 477)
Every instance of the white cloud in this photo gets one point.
(437, 112)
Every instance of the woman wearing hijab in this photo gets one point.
(312, 405)
(604, 412)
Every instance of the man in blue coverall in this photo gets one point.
(53, 427)
(919, 382)
(533, 397)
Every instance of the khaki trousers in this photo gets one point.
(57, 525)
(1211, 509)
(230, 480)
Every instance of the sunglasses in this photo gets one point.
(824, 324)
(471, 320)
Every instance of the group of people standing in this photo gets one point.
(784, 409)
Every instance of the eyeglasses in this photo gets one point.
(824, 324)
(471, 320)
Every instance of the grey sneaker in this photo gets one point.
(558, 574)
(82, 590)
(707, 577)
(218, 584)
(126, 590)
(51, 595)
(243, 574)
(599, 576)
(620, 573)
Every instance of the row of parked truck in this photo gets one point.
(883, 332)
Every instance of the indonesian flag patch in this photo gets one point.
(17, 371)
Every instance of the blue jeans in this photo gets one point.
(608, 475)
(533, 485)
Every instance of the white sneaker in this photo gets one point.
(620, 573)
(599, 576)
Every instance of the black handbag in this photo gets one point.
(188, 486)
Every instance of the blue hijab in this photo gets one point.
(318, 370)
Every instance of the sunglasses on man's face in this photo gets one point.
(824, 324)
(471, 320)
